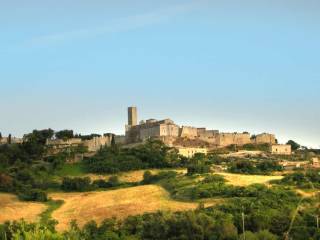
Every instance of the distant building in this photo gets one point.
(132, 116)
(151, 129)
(173, 135)
(289, 165)
(281, 149)
(5, 140)
(92, 145)
(190, 152)
(315, 162)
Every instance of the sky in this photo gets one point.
(229, 65)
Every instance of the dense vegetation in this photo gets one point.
(303, 179)
(153, 154)
(263, 167)
(265, 217)
(78, 184)
(27, 169)
(267, 212)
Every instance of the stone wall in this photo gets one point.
(92, 145)
(188, 132)
(209, 136)
(264, 138)
(147, 132)
(97, 143)
(226, 139)
(170, 130)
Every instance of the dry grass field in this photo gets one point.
(11, 208)
(246, 180)
(121, 203)
(132, 176)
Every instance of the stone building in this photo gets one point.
(281, 149)
(92, 145)
(264, 138)
(151, 129)
(190, 152)
(315, 163)
(5, 140)
(132, 116)
(172, 134)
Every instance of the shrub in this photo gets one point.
(147, 177)
(114, 181)
(76, 184)
(33, 195)
(198, 169)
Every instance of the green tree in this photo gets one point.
(294, 146)
(9, 139)
(113, 141)
(64, 134)
(147, 177)
(114, 181)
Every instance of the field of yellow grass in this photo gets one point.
(11, 208)
(132, 176)
(121, 203)
(246, 180)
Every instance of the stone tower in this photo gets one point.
(132, 116)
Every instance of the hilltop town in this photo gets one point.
(188, 140)
(95, 186)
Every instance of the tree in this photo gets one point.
(64, 134)
(0, 135)
(9, 139)
(39, 136)
(294, 145)
(113, 141)
(113, 181)
(147, 177)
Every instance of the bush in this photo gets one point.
(308, 180)
(33, 195)
(153, 154)
(114, 181)
(147, 177)
(198, 169)
(250, 167)
(76, 184)
(6, 182)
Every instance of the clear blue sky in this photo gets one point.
(229, 65)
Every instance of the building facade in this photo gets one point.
(281, 149)
(92, 145)
(190, 152)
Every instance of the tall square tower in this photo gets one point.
(132, 116)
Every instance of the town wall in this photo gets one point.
(226, 139)
(188, 132)
(264, 138)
